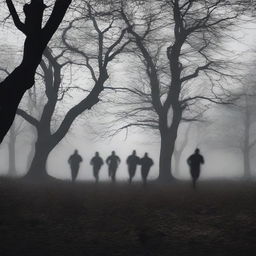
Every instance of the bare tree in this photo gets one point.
(104, 50)
(179, 43)
(18, 129)
(234, 127)
(37, 37)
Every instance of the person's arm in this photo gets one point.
(107, 160)
(91, 162)
(202, 160)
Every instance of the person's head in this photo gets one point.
(146, 154)
(113, 153)
(197, 151)
(96, 153)
(76, 151)
(134, 152)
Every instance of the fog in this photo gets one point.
(169, 86)
(220, 162)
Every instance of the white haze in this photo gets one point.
(219, 162)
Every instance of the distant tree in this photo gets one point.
(8, 62)
(234, 127)
(18, 129)
(33, 103)
(247, 108)
(180, 145)
(179, 43)
(37, 38)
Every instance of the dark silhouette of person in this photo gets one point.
(194, 161)
(96, 162)
(113, 161)
(146, 163)
(74, 161)
(132, 162)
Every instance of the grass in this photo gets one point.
(60, 218)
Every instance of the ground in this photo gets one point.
(60, 218)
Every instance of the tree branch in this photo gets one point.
(196, 73)
(5, 71)
(57, 15)
(76, 50)
(30, 119)
(19, 25)
(214, 100)
(252, 144)
(151, 69)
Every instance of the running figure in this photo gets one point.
(132, 162)
(113, 161)
(146, 162)
(96, 162)
(74, 161)
(194, 161)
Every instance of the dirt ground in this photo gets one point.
(60, 218)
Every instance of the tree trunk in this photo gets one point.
(11, 148)
(37, 170)
(246, 148)
(168, 138)
(247, 168)
(165, 161)
(32, 149)
(30, 156)
(178, 151)
(176, 158)
(246, 152)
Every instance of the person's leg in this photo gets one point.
(133, 169)
(130, 175)
(72, 174)
(146, 175)
(76, 172)
(95, 174)
(194, 183)
(113, 175)
(109, 171)
(143, 176)
(144, 180)
(195, 177)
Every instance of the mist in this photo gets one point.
(220, 162)
(127, 127)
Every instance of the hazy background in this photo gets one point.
(220, 162)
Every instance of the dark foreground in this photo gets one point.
(61, 219)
